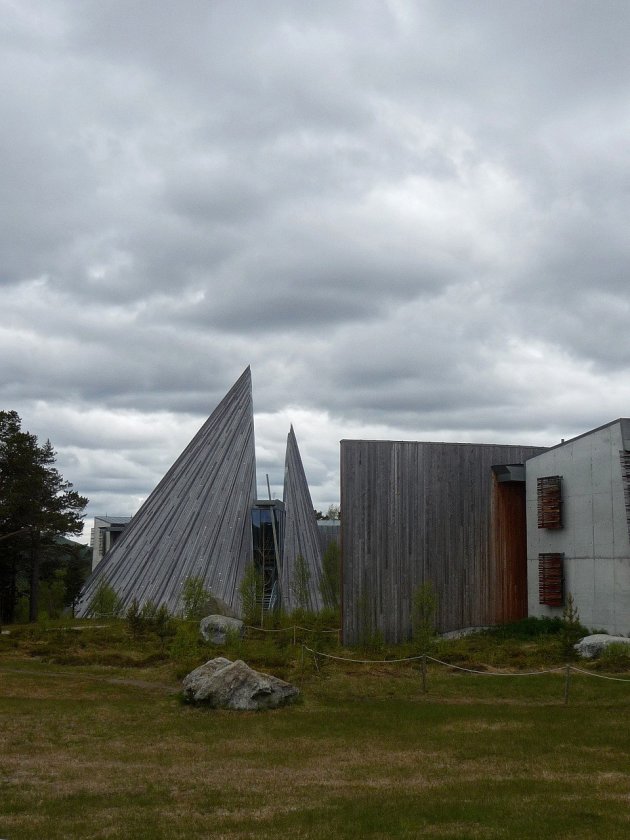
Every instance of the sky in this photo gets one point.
(410, 218)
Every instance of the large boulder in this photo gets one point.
(222, 684)
(214, 628)
(591, 646)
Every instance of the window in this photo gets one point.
(551, 579)
(550, 501)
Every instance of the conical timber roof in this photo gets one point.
(301, 537)
(197, 521)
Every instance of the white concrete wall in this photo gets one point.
(595, 539)
(97, 550)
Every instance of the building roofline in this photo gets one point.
(444, 443)
(624, 421)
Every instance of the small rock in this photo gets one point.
(214, 628)
(591, 646)
(222, 684)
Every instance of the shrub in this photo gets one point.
(423, 610)
(163, 624)
(197, 601)
(615, 657)
(186, 648)
(105, 603)
(300, 582)
(251, 592)
(134, 619)
(572, 629)
(52, 595)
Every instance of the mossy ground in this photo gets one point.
(96, 743)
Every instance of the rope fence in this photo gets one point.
(293, 628)
(424, 658)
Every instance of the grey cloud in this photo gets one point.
(406, 216)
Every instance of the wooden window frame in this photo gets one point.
(551, 579)
(549, 492)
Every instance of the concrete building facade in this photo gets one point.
(578, 527)
(105, 533)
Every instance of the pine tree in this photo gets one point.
(36, 506)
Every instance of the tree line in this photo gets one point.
(37, 509)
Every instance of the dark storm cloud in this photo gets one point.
(410, 218)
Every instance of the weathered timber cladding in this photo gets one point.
(549, 489)
(301, 536)
(196, 522)
(551, 579)
(419, 512)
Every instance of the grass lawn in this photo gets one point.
(98, 750)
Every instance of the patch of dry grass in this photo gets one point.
(102, 752)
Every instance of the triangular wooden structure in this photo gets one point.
(301, 538)
(197, 521)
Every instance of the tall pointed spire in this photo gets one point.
(197, 521)
(301, 537)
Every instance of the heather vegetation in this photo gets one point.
(96, 742)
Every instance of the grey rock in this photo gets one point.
(214, 628)
(461, 634)
(591, 646)
(222, 684)
(195, 681)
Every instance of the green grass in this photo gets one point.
(96, 750)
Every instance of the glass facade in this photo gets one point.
(267, 516)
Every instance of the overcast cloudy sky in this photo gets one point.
(411, 219)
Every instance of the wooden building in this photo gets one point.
(448, 514)
(203, 521)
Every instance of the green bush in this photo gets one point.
(133, 617)
(615, 657)
(187, 649)
(572, 629)
(251, 591)
(423, 612)
(150, 619)
(300, 582)
(197, 601)
(105, 603)
(532, 628)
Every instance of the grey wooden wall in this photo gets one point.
(196, 522)
(301, 536)
(417, 512)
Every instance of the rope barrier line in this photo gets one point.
(498, 673)
(285, 629)
(361, 661)
(599, 676)
(460, 668)
(432, 659)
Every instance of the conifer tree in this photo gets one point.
(36, 506)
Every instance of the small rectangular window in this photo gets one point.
(551, 579)
(550, 501)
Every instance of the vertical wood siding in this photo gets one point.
(301, 535)
(422, 512)
(197, 521)
(509, 551)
